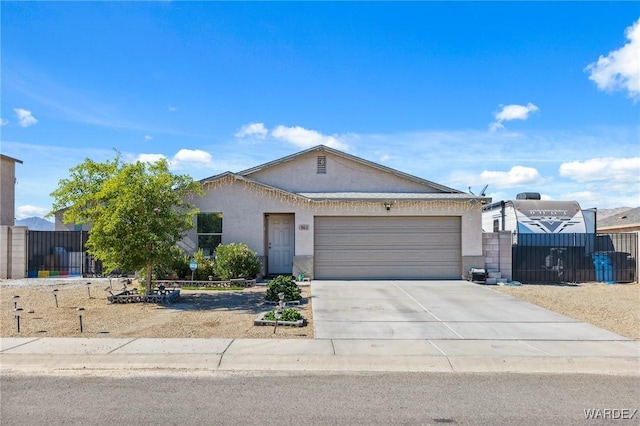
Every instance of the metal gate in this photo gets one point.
(575, 258)
(59, 254)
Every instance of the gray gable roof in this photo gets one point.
(626, 218)
(449, 194)
(323, 148)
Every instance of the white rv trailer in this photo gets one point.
(528, 214)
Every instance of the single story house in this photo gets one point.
(625, 221)
(8, 189)
(331, 215)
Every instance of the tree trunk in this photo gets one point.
(148, 290)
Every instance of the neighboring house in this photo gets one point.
(8, 189)
(13, 239)
(626, 221)
(330, 215)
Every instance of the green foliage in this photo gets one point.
(236, 261)
(205, 267)
(137, 211)
(176, 264)
(287, 315)
(282, 284)
(180, 264)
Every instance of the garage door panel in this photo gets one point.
(387, 247)
(396, 256)
(416, 238)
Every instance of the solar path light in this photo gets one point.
(89, 290)
(17, 312)
(80, 311)
(55, 295)
(15, 301)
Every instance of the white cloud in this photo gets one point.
(192, 156)
(25, 118)
(148, 137)
(3, 122)
(511, 112)
(150, 158)
(598, 169)
(172, 108)
(256, 130)
(517, 176)
(620, 69)
(304, 138)
(27, 210)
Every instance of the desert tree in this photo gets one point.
(137, 211)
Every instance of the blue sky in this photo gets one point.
(519, 96)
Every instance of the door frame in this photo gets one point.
(266, 238)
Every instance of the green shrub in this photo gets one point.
(287, 315)
(180, 264)
(205, 269)
(236, 261)
(282, 284)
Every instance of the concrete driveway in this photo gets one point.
(456, 310)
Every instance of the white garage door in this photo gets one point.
(387, 248)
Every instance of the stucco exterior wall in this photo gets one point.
(343, 175)
(244, 206)
(7, 191)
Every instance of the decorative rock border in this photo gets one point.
(289, 302)
(213, 284)
(260, 321)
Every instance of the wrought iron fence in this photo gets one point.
(575, 258)
(59, 253)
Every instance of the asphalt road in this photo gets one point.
(314, 399)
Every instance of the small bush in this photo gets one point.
(181, 265)
(236, 261)
(205, 267)
(287, 315)
(282, 284)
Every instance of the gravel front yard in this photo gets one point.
(612, 307)
(230, 314)
(201, 314)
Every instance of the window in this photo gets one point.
(209, 228)
(496, 225)
(322, 164)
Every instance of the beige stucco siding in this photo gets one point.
(341, 175)
(7, 191)
(244, 205)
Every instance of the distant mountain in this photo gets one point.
(36, 224)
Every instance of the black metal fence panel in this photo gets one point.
(59, 254)
(575, 258)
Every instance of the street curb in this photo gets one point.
(301, 363)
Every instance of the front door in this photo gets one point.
(280, 231)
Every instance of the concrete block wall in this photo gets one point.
(496, 249)
(491, 251)
(13, 252)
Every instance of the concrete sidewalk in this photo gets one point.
(319, 355)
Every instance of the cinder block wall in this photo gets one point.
(13, 252)
(496, 249)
